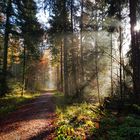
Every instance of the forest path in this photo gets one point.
(32, 121)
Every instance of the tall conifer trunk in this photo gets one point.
(111, 68)
(135, 50)
(74, 75)
(64, 16)
(61, 65)
(81, 44)
(3, 80)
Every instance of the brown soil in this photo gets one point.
(32, 121)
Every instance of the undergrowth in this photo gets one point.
(118, 128)
(85, 121)
(76, 121)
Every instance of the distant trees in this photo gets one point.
(19, 27)
(31, 33)
(87, 40)
(77, 41)
(115, 11)
(79, 23)
(58, 33)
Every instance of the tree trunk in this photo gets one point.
(66, 91)
(97, 73)
(74, 75)
(120, 57)
(23, 70)
(61, 63)
(135, 51)
(112, 90)
(96, 58)
(4, 86)
(81, 44)
(65, 68)
(58, 76)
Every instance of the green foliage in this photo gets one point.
(122, 128)
(75, 120)
(78, 121)
(31, 29)
(15, 87)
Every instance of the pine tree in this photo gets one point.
(60, 26)
(31, 32)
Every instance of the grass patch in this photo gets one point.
(12, 101)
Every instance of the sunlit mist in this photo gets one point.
(137, 27)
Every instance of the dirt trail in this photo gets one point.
(33, 121)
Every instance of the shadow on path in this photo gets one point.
(34, 120)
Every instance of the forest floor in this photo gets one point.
(51, 116)
(32, 121)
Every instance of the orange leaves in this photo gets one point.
(97, 125)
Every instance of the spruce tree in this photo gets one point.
(31, 32)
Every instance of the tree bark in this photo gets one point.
(81, 44)
(135, 50)
(4, 86)
(66, 91)
(74, 75)
(61, 64)
(120, 57)
(23, 70)
(111, 66)
(97, 73)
